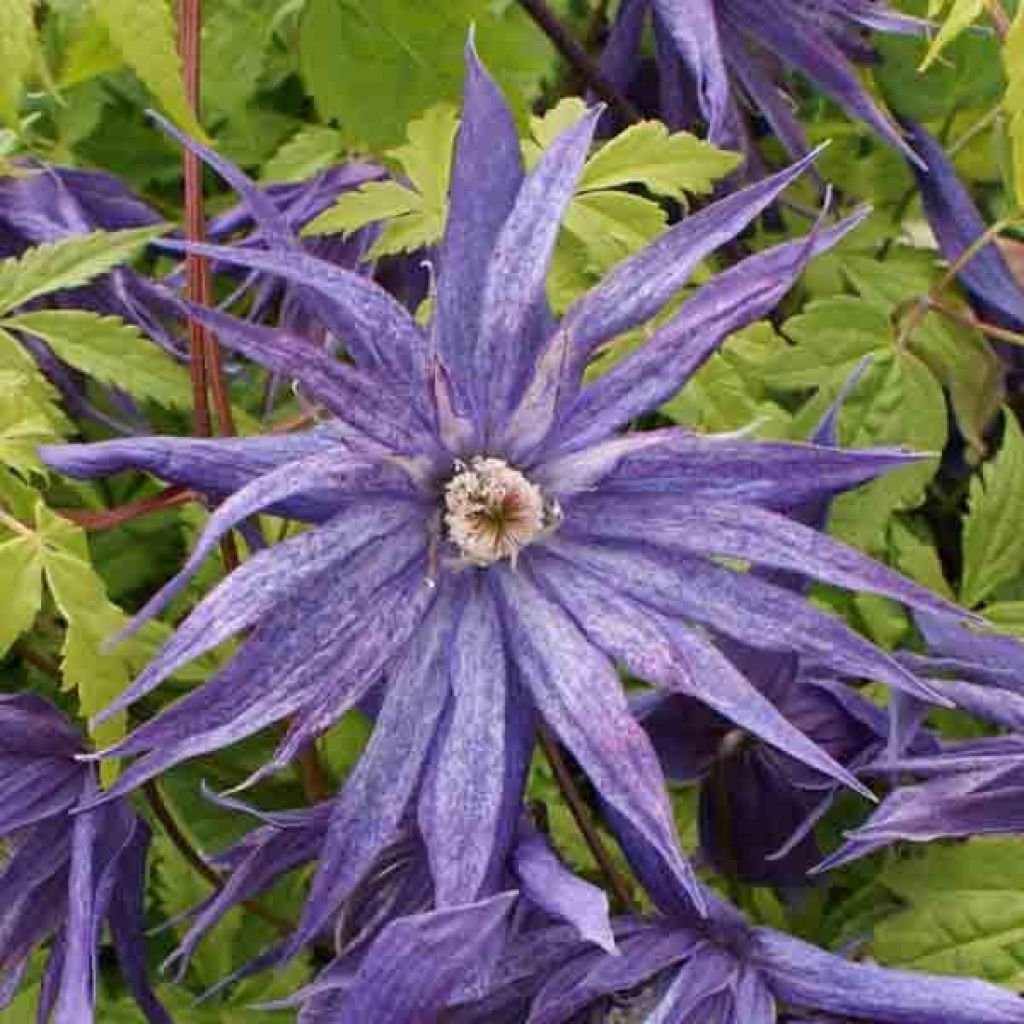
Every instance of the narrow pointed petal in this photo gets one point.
(983, 657)
(752, 534)
(380, 333)
(487, 172)
(645, 379)
(463, 795)
(693, 26)
(641, 285)
(813, 53)
(126, 918)
(419, 960)
(957, 224)
(802, 975)
(378, 793)
(548, 884)
(517, 273)
(740, 606)
(264, 492)
(358, 400)
(214, 467)
(664, 654)
(578, 693)
(679, 464)
(276, 575)
(277, 672)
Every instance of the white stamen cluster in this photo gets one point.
(492, 511)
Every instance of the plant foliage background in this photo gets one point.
(292, 87)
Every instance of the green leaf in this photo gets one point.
(993, 532)
(28, 418)
(965, 911)
(18, 52)
(414, 217)
(612, 225)
(960, 16)
(21, 580)
(312, 148)
(68, 263)
(144, 32)
(110, 350)
(375, 67)
(546, 127)
(669, 165)
(897, 402)
(89, 54)
(1013, 103)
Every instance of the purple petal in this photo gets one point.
(379, 791)
(547, 883)
(487, 173)
(418, 961)
(957, 224)
(514, 293)
(738, 605)
(463, 798)
(802, 975)
(659, 369)
(641, 285)
(580, 696)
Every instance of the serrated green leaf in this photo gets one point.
(89, 54)
(312, 148)
(109, 350)
(144, 32)
(546, 127)
(993, 532)
(376, 67)
(21, 581)
(669, 165)
(965, 911)
(413, 217)
(68, 263)
(897, 402)
(612, 226)
(960, 16)
(27, 419)
(234, 53)
(18, 48)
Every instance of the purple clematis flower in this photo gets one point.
(717, 56)
(975, 787)
(486, 544)
(719, 970)
(64, 875)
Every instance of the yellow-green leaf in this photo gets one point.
(68, 263)
(18, 50)
(144, 33)
(1013, 61)
(109, 350)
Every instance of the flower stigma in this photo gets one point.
(492, 511)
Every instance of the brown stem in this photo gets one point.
(968, 320)
(577, 56)
(1001, 21)
(89, 519)
(578, 809)
(206, 366)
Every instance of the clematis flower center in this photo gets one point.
(492, 511)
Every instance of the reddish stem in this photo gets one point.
(89, 519)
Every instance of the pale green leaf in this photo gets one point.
(993, 532)
(68, 263)
(427, 155)
(109, 350)
(612, 226)
(965, 912)
(375, 67)
(144, 32)
(312, 148)
(896, 403)
(372, 202)
(546, 127)
(28, 418)
(961, 15)
(18, 50)
(1013, 62)
(21, 581)
(89, 54)
(669, 165)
